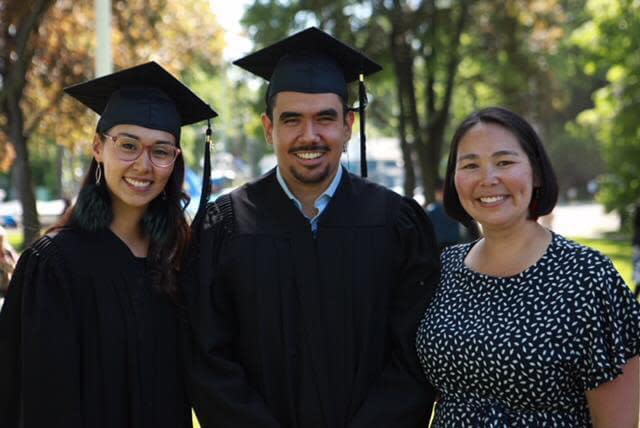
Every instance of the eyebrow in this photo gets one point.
(494, 155)
(135, 137)
(330, 112)
(289, 115)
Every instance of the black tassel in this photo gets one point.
(206, 173)
(362, 95)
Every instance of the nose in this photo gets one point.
(489, 175)
(308, 132)
(143, 163)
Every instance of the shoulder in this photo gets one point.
(54, 244)
(570, 253)
(453, 256)
(368, 189)
(585, 270)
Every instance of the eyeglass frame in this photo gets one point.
(146, 148)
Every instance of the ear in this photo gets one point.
(267, 125)
(97, 147)
(348, 124)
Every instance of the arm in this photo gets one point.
(616, 404)
(401, 397)
(39, 364)
(609, 366)
(221, 394)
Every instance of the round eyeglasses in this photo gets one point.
(129, 149)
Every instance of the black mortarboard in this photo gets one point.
(145, 95)
(313, 61)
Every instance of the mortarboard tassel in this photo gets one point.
(206, 172)
(362, 95)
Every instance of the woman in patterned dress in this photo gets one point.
(527, 328)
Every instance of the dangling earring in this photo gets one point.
(98, 174)
(164, 194)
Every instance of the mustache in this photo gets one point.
(314, 148)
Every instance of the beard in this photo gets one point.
(310, 176)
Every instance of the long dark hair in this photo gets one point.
(164, 222)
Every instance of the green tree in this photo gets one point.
(418, 41)
(612, 38)
(49, 46)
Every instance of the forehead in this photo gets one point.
(488, 138)
(302, 102)
(142, 133)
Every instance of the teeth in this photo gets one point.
(491, 199)
(137, 183)
(309, 155)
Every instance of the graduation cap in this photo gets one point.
(149, 96)
(313, 61)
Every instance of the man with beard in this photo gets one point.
(306, 286)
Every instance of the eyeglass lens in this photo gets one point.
(129, 149)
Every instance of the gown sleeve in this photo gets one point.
(39, 367)
(401, 397)
(219, 390)
(610, 325)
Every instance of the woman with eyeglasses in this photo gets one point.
(89, 329)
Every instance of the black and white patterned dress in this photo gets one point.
(520, 351)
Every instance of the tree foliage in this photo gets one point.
(59, 52)
(612, 39)
(444, 59)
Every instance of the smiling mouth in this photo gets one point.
(308, 155)
(138, 184)
(492, 199)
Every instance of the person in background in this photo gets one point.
(307, 284)
(527, 328)
(8, 258)
(448, 230)
(635, 243)
(89, 331)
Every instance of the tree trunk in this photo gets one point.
(430, 152)
(402, 61)
(22, 170)
(16, 58)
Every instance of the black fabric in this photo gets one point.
(85, 342)
(310, 61)
(148, 107)
(635, 240)
(292, 331)
(145, 95)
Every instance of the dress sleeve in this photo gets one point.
(402, 397)
(39, 364)
(219, 390)
(611, 322)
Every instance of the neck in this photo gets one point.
(127, 225)
(307, 193)
(508, 252)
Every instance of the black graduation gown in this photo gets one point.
(296, 331)
(85, 342)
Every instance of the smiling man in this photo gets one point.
(308, 284)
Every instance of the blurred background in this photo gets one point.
(571, 67)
